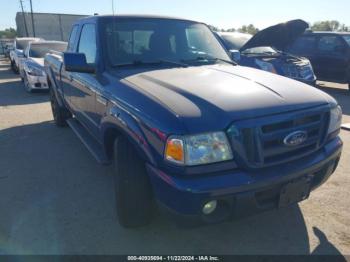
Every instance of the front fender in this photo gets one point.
(123, 122)
(54, 86)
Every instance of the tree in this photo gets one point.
(8, 33)
(214, 28)
(344, 28)
(332, 25)
(249, 29)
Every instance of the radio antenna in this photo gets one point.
(113, 8)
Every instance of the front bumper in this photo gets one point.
(239, 192)
(37, 82)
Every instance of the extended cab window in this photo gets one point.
(331, 44)
(72, 38)
(87, 43)
(303, 45)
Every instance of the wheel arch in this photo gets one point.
(122, 124)
(53, 85)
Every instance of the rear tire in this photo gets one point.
(13, 66)
(134, 201)
(60, 114)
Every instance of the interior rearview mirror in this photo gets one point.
(76, 62)
(235, 55)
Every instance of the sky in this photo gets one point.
(221, 13)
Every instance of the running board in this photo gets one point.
(91, 144)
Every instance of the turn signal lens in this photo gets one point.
(174, 151)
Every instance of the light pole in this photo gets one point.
(31, 11)
(24, 18)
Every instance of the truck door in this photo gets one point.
(67, 77)
(84, 85)
(331, 58)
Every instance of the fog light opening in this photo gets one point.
(210, 207)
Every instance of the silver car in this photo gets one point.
(31, 67)
(16, 54)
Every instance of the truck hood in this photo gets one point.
(278, 36)
(209, 98)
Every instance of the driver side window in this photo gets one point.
(331, 44)
(87, 43)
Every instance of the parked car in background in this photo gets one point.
(263, 51)
(8, 49)
(31, 67)
(17, 53)
(329, 53)
(185, 127)
(5, 46)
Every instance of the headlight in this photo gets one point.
(266, 66)
(307, 72)
(34, 71)
(335, 120)
(198, 149)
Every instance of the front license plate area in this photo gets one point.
(295, 192)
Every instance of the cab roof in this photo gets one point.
(131, 16)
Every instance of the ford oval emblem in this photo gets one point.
(295, 138)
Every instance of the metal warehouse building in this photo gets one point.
(47, 26)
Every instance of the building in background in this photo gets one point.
(47, 26)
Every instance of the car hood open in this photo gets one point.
(278, 36)
(215, 95)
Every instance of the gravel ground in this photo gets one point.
(55, 199)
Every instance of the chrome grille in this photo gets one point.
(261, 142)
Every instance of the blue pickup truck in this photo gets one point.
(186, 128)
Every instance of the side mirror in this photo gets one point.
(235, 55)
(76, 62)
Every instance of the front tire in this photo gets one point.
(134, 201)
(26, 84)
(60, 114)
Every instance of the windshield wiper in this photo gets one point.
(162, 61)
(226, 61)
(204, 58)
(157, 62)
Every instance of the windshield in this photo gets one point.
(347, 39)
(260, 50)
(40, 50)
(235, 42)
(152, 40)
(22, 44)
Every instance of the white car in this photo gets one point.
(32, 67)
(17, 53)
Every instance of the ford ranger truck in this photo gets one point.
(186, 128)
